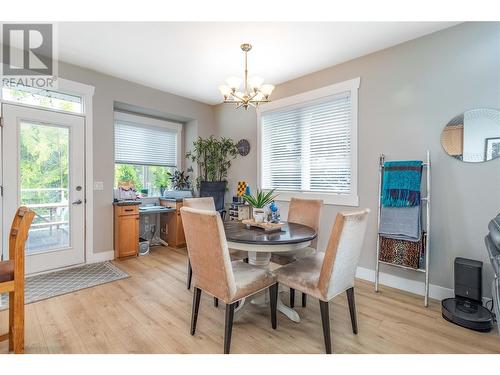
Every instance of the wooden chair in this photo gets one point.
(215, 274)
(207, 203)
(306, 212)
(12, 278)
(326, 275)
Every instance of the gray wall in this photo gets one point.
(407, 94)
(198, 118)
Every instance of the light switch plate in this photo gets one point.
(98, 185)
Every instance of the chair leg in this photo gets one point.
(195, 309)
(352, 310)
(228, 327)
(304, 299)
(11, 321)
(292, 298)
(216, 302)
(190, 275)
(273, 292)
(18, 331)
(325, 319)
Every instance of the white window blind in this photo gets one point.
(145, 145)
(308, 147)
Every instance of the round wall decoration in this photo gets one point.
(243, 147)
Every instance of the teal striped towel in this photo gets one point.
(401, 183)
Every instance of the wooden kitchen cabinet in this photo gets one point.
(126, 229)
(172, 222)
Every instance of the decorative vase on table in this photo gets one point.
(259, 214)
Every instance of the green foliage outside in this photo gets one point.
(161, 177)
(128, 173)
(44, 163)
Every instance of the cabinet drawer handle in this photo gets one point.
(129, 209)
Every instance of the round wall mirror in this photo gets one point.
(473, 136)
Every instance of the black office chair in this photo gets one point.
(215, 191)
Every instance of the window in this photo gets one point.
(147, 151)
(308, 144)
(43, 98)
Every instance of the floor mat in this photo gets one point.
(56, 283)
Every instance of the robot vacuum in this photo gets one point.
(466, 309)
(467, 313)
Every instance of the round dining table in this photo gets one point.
(261, 244)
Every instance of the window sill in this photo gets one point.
(333, 199)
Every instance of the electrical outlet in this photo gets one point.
(98, 185)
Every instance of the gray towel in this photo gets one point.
(402, 223)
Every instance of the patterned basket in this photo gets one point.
(401, 252)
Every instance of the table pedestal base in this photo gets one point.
(263, 301)
(259, 259)
(262, 260)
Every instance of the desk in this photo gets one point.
(127, 216)
(157, 211)
(261, 244)
(175, 231)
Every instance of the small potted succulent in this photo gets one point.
(259, 201)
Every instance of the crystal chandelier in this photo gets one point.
(254, 92)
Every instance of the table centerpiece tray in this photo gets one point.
(266, 226)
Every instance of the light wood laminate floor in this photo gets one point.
(150, 313)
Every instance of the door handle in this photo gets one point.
(79, 201)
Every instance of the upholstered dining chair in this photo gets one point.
(12, 278)
(215, 274)
(324, 275)
(306, 212)
(207, 203)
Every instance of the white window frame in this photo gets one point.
(332, 198)
(150, 121)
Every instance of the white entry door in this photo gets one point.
(43, 168)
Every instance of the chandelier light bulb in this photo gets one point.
(266, 89)
(255, 82)
(234, 82)
(225, 90)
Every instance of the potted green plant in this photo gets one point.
(258, 202)
(161, 178)
(180, 181)
(213, 157)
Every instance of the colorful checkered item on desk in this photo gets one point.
(242, 185)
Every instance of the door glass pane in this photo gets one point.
(44, 182)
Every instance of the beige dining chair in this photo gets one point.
(208, 204)
(325, 275)
(215, 274)
(306, 212)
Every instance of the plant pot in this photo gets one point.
(259, 214)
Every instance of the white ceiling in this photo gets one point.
(193, 59)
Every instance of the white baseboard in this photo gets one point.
(101, 257)
(412, 286)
